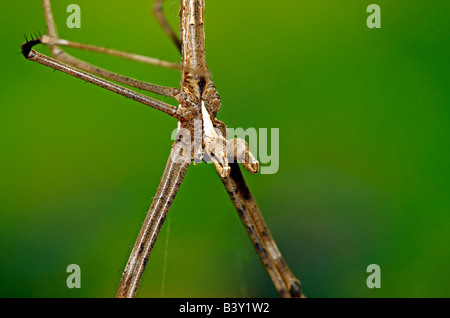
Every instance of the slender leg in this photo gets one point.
(158, 11)
(51, 27)
(283, 279)
(49, 40)
(174, 173)
(161, 90)
(32, 55)
(54, 43)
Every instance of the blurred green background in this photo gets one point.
(364, 152)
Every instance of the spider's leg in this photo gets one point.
(158, 11)
(32, 55)
(54, 43)
(174, 173)
(283, 279)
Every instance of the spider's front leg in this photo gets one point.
(54, 42)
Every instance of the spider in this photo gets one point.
(200, 137)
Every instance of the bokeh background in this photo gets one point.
(364, 152)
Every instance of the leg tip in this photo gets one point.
(27, 46)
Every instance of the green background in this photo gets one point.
(364, 152)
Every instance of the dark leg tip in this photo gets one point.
(295, 290)
(26, 47)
